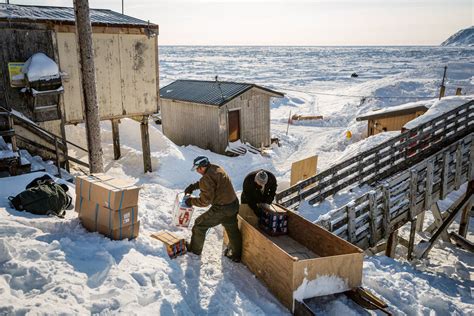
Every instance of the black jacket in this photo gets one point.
(252, 195)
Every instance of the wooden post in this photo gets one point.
(145, 144)
(351, 223)
(413, 194)
(464, 224)
(444, 176)
(457, 175)
(84, 40)
(411, 242)
(116, 138)
(386, 211)
(442, 88)
(458, 91)
(439, 218)
(373, 218)
(392, 244)
(56, 147)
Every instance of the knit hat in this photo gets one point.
(261, 178)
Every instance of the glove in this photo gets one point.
(189, 189)
(188, 202)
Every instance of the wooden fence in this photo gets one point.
(384, 160)
(399, 199)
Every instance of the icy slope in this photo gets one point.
(464, 37)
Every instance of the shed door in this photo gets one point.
(234, 125)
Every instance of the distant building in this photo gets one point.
(392, 118)
(210, 114)
(125, 57)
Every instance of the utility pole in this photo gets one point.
(84, 40)
(442, 88)
(122, 7)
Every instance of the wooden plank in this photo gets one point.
(444, 175)
(386, 211)
(351, 225)
(457, 175)
(464, 222)
(429, 184)
(420, 219)
(268, 262)
(411, 241)
(462, 241)
(439, 220)
(317, 238)
(373, 218)
(303, 169)
(413, 194)
(392, 244)
(116, 138)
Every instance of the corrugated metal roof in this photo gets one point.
(207, 92)
(13, 12)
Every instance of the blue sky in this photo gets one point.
(295, 22)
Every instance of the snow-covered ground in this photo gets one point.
(48, 265)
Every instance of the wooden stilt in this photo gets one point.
(145, 144)
(420, 219)
(116, 138)
(411, 242)
(439, 218)
(392, 244)
(464, 224)
(453, 211)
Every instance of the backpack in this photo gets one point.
(46, 198)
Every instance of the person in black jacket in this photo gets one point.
(259, 187)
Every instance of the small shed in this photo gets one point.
(125, 57)
(392, 118)
(210, 114)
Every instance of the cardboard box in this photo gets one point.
(104, 220)
(182, 213)
(174, 245)
(110, 192)
(127, 232)
(287, 263)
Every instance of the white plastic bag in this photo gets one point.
(182, 213)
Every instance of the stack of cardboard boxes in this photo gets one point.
(108, 205)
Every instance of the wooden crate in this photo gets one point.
(307, 252)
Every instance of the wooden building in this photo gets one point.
(392, 118)
(125, 56)
(210, 114)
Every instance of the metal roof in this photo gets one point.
(393, 111)
(13, 12)
(208, 92)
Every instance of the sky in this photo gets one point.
(295, 22)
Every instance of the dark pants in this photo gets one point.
(218, 214)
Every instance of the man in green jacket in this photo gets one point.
(217, 191)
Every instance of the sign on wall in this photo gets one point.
(16, 76)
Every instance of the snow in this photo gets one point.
(52, 266)
(464, 37)
(322, 285)
(40, 67)
(407, 106)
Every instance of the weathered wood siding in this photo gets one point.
(18, 43)
(126, 74)
(394, 123)
(254, 106)
(186, 123)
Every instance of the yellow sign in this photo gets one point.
(16, 76)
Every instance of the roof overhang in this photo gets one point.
(386, 114)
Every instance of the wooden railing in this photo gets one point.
(384, 160)
(60, 145)
(399, 199)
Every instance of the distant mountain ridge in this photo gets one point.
(464, 37)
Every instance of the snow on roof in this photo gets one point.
(12, 12)
(40, 67)
(439, 108)
(396, 110)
